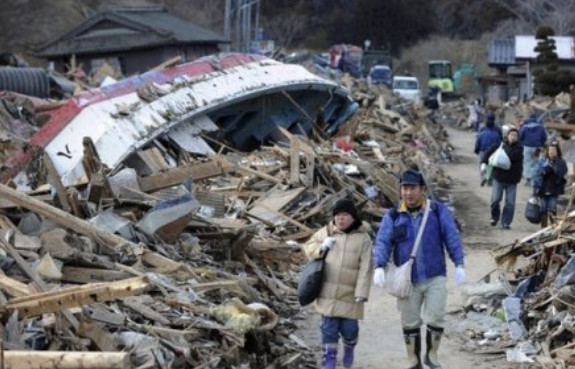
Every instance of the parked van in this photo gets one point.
(380, 75)
(407, 87)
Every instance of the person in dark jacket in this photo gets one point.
(487, 137)
(549, 181)
(532, 136)
(506, 180)
(394, 243)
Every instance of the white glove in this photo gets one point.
(327, 244)
(459, 276)
(379, 277)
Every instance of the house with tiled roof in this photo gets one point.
(132, 40)
(513, 61)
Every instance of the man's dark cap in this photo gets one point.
(411, 177)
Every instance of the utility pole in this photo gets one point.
(237, 37)
(227, 20)
(244, 20)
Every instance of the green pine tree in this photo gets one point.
(549, 80)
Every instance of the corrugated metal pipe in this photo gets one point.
(27, 81)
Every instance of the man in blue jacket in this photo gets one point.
(396, 237)
(532, 136)
(487, 137)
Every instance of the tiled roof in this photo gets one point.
(127, 28)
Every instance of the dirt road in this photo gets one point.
(380, 344)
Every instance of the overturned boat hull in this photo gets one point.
(239, 98)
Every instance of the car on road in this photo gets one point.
(407, 87)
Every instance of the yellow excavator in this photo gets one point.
(441, 76)
(463, 81)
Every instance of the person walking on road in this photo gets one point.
(549, 181)
(347, 280)
(505, 180)
(395, 241)
(532, 136)
(487, 137)
(477, 114)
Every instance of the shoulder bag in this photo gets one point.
(311, 278)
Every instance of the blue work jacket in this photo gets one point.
(397, 235)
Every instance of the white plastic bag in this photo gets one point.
(499, 159)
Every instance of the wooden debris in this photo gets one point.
(232, 254)
(54, 301)
(65, 360)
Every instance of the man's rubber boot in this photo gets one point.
(348, 355)
(412, 338)
(329, 356)
(544, 220)
(433, 339)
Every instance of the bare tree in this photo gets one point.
(209, 14)
(284, 28)
(558, 14)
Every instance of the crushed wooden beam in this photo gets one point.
(13, 287)
(116, 243)
(66, 360)
(54, 301)
(56, 182)
(89, 275)
(174, 176)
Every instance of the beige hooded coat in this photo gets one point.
(347, 271)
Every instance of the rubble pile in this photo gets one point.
(191, 260)
(529, 310)
(555, 112)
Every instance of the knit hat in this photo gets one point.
(346, 205)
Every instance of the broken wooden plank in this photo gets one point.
(40, 284)
(168, 63)
(287, 218)
(147, 312)
(268, 206)
(116, 243)
(267, 282)
(54, 301)
(217, 285)
(13, 287)
(258, 173)
(65, 360)
(294, 162)
(167, 265)
(90, 275)
(56, 182)
(105, 341)
(174, 176)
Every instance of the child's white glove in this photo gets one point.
(327, 244)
